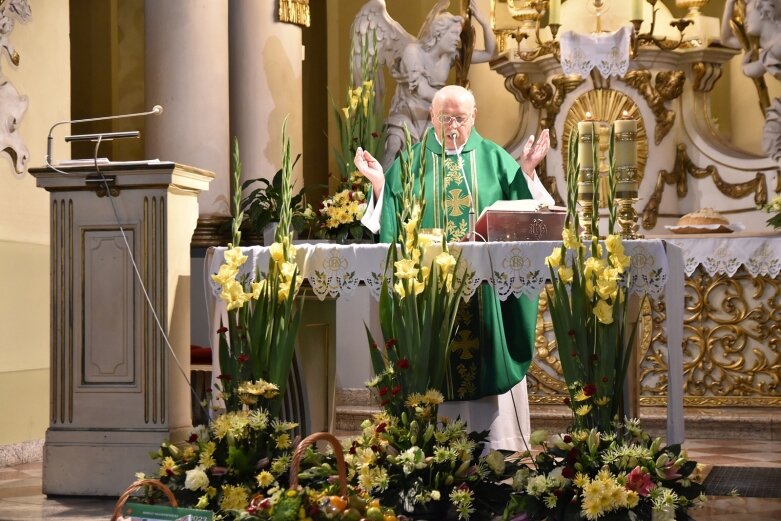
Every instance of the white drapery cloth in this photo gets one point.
(608, 52)
(511, 268)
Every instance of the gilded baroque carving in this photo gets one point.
(683, 168)
(731, 343)
(668, 85)
(706, 75)
(295, 12)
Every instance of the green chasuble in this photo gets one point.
(494, 342)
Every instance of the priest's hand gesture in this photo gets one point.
(533, 152)
(371, 169)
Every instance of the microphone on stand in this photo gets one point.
(453, 136)
(156, 110)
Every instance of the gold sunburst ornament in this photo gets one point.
(607, 105)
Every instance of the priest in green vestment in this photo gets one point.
(495, 341)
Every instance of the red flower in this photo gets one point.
(571, 333)
(589, 389)
(193, 438)
(391, 343)
(396, 390)
(225, 377)
(604, 379)
(568, 472)
(222, 330)
(383, 391)
(243, 358)
(567, 438)
(640, 481)
(381, 427)
(375, 135)
(402, 363)
(566, 401)
(374, 345)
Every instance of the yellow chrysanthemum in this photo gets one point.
(265, 478)
(234, 498)
(583, 410)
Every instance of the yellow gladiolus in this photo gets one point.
(418, 287)
(620, 261)
(399, 288)
(554, 259)
(593, 265)
(287, 269)
(405, 269)
(604, 312)
(225, 275)
(570, 239)
(283, 292)
(614, 244)
(565, 274)
(234, 257)
(277, 252)
(257, 288)
(607, 288)
(446, 262)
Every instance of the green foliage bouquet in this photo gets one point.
(258, 341)
(620, 475)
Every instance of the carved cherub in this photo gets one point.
(420, 66)
(12, 105)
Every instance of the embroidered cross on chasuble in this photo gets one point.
(494, 340)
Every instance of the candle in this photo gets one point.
(626, 141)
(637, 10)
(554, 12)
(586, 141)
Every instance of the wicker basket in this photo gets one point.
(137, 485)
(341, 468)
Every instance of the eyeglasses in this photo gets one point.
(447, 119)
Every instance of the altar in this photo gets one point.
(511, 268)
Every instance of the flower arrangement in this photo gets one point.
(221, 467)
(773, 207)
(588, 308)
(341, 213)
(359, 124)
(428, 468)
(601, 468)
(258, 341)
(418, 304)
(618, 475)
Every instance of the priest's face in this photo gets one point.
(453, 113)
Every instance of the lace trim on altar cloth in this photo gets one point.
(511, 268)
(609, 53)
(760, 256)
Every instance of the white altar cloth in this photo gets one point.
(511, 268)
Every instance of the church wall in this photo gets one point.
(43, 75)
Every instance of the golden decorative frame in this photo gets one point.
(295, 12)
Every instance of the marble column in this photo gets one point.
(187, 73)
(265, 87)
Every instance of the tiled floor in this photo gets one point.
(21, 498)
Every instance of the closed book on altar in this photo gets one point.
(524, 220)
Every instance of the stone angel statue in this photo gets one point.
(755, 26)
(419, 65)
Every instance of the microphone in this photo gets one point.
(156, 110)
(454, 136)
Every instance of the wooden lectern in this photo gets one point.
(116, 391)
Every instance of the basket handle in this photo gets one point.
(310, 440)
(135, 486)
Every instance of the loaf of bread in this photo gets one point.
(703, 216)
